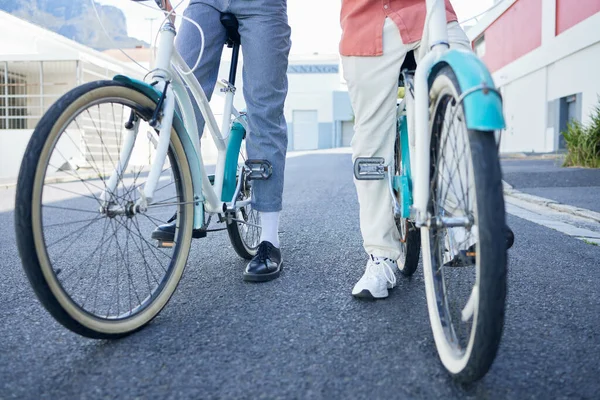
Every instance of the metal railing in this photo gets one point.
(29, 88)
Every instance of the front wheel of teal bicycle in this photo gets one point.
(85, 246)
(464, 249)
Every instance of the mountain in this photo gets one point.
(76, 20)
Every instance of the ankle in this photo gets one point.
(269, 222)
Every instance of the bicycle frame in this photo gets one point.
(174, 78)
(475, 82)
(435, 38)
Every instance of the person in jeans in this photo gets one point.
(376, 37)
(265, 44)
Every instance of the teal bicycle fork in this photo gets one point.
(402, 182)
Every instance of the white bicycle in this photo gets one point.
(108, 163)
(447, 158)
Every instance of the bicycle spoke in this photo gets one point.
(72, 192)
(74, 232)
(69, 223)
(153, 219)
(101, 259)
(153, 250)
(98, 132)
(77, 268)
(96, 169)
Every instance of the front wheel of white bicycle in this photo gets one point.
(464, 267)
(86, 250)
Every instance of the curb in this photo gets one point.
(531, 156)
(555, 205)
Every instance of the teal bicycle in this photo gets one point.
(111, 161)
(446, 189)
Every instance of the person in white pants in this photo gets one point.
(376, 37)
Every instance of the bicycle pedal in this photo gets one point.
(369, 168)
(258, 169)
(464, 258)
(165, 244)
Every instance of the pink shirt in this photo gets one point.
(362, 23)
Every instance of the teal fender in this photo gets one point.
(483, 108)
(188, 146)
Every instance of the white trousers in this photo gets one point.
(373, 89)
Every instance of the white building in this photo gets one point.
(37, 67)
(317, 108)
(544, 56)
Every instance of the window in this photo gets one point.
(479, 46)
(13, 101)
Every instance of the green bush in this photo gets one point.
(583, 142)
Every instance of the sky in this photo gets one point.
(312, 32)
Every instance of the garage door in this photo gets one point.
(347, 132)
(306, 129)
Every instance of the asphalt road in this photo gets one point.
(303, 335)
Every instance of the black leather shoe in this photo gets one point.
(266, 264)
(165, 232)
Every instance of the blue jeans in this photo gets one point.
(265, 36)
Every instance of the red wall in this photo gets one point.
(571, 12)
(515, 33)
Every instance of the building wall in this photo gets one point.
(569, 13)
(13, 143)
(537, 84)
(525, 130)
(515, 33)
(311, 81)
(313, 91)
(575, 74)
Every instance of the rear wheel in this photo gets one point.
(90, 259)
(464, 267)
(244, 229)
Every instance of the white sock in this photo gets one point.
(269, 222)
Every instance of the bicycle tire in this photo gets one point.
(466, 352)
(40, 263)
(245, 236)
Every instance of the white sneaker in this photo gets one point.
(379, 276)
